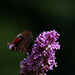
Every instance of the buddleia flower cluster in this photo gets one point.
(42, 57)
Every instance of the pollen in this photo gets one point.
(22, 66)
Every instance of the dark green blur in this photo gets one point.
(37, 16)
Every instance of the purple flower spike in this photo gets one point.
(42, 57)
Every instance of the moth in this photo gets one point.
(22, 43)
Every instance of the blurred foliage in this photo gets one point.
(37, 15)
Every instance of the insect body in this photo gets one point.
(22, 43)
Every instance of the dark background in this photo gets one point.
(37, 16)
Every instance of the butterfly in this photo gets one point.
(22, 43)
